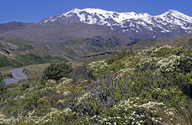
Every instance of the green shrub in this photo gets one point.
(4, 61)
(190, 41)
(25, 86)
(29, 104)
(1, 77)
(3, 87)
(56, 71)
(43, 107)
(82, 73)
(25, 48)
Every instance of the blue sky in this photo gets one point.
(36, 10)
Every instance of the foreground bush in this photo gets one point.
(57, 70)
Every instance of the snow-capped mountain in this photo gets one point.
(130, 24)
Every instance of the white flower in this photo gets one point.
(84, 97)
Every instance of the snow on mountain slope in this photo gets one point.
(129, 23)
(93, 16)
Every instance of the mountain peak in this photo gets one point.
(95, 10)
(173, 11)
(176, 15)
(74, 9)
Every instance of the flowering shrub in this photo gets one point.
(150, 87)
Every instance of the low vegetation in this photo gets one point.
(3, 87)
(27, 59)
(150, 87)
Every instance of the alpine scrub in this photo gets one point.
(150, 87)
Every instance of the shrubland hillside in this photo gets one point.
(153, 86)
(18, 52)
(69, 40)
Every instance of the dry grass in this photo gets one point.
(77, 64)
(35, 70)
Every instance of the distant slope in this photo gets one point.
(18, 53)
(57, 32)
(67, 40)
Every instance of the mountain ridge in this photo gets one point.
(129, 24)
